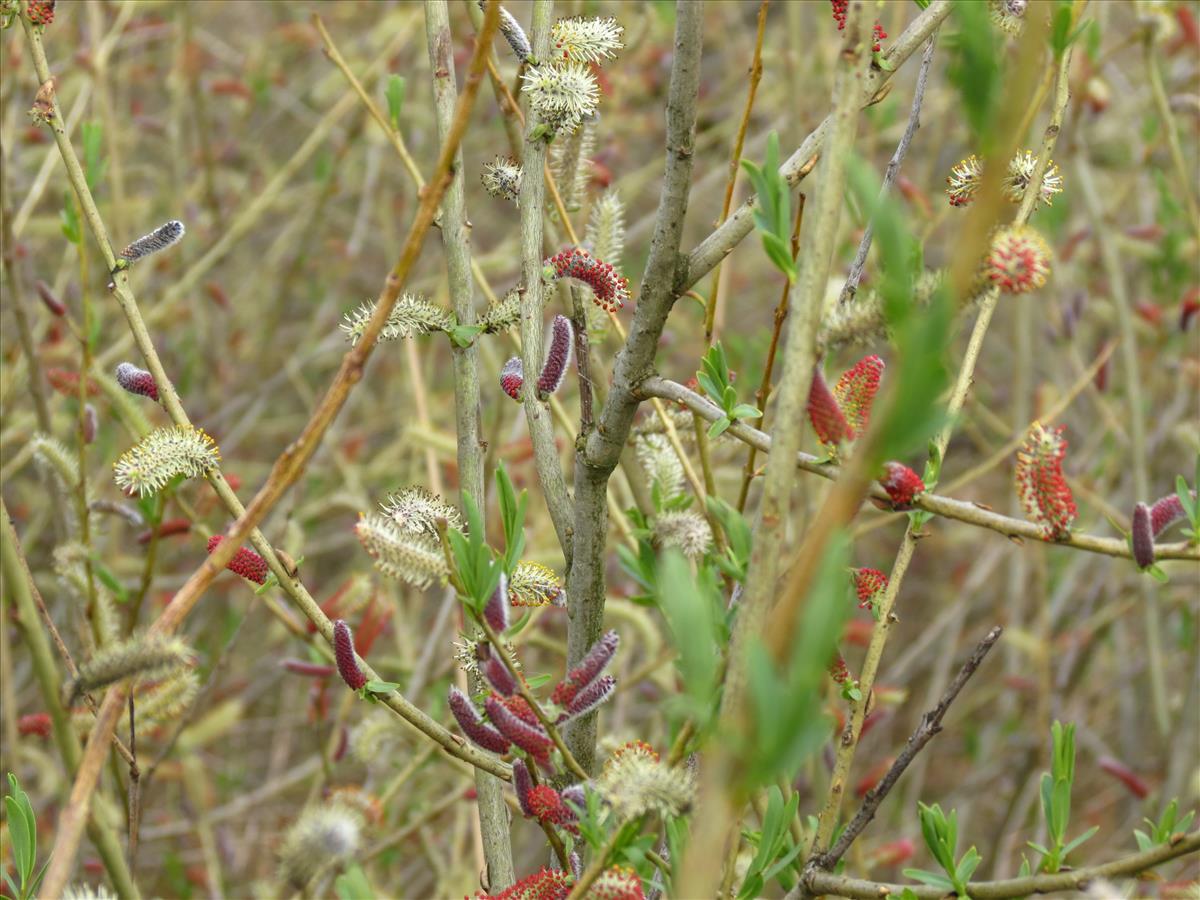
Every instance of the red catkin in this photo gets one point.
(512, 377)
(1040, 483)
(34, 723)
(166, 528)
(245, 562)
(523, 785)
(343, 652)
(902, 484)
(51, 302)
(306, 668)
(530, 738)
(136, 381)
(610, 290)
(868, 585)
(855, 392)
(1125, 775)
(823, 411)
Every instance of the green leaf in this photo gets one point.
(746, 411)
(1185, 498)
(13, 890)
(1155, 571)
(512, 514)
(976, 69)
(70, 221)
(967, 866)
(380, 687)
(717, 428)
(1143, 840)
(710, 386)
(1060, 29)
(464, 335)
(536, 681)
(1087, 835)
(690, 605)
(109, 580)
(92, 134)
(353, 884)
(931, 878)
(395, 99)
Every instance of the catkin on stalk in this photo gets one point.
(147, 656)
(160, 238)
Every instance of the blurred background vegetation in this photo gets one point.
(206, 112)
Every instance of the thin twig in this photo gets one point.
(889, 176)
(764, 386)
(739, 141)
(930, 725)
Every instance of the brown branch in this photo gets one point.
(931, 724)
(598, 455)
(947, 507)
(1074, 880)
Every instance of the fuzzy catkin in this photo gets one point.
(418, 510)
(146, 656)
(323, 836)
(160, 238)
(411, 316)
(415, 559)
(162, 455)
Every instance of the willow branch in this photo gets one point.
(599, 451)
(966, 511)
(456, 244)
(1074, 880)
(532, 204)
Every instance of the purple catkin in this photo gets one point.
(1143, 536)
(136, 381)
(343, 652)
(596, 660)
(498, 675)
(1165, 513)
(558, 357)
(589, 698)
(575, 797)
(89, 423)
(530, 738)
(473, 726)
(522, 784)
(495, 613)
(512, 377)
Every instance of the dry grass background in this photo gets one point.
(202, 103)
